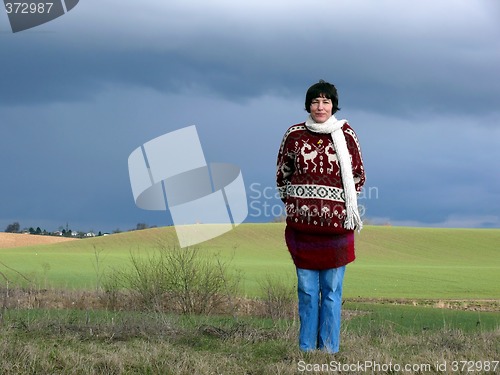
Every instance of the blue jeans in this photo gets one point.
(320, 304)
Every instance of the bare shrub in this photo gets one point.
(148, 279)
(181, 280)
(109, 293)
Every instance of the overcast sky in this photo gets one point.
(419, 81)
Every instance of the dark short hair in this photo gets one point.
(322, 89)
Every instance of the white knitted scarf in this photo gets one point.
(334, 128)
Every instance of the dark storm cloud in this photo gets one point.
(417, 80)
(387, 58)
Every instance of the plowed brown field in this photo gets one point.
(9, 240)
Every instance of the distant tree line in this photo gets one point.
(13, 228)
(65, 232)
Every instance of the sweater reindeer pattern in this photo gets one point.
(310, 185)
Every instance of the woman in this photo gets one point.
(320, 171)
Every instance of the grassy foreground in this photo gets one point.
(100, 342)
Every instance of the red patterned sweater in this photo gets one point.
(310, 184)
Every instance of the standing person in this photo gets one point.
(319, 174)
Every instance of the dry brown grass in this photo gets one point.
(10, 240)
(155, 343)
(77, 332)
(28, 299)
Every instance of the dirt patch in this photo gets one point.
(492, 305)
(21, 298)
(10, 240)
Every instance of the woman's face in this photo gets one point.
(321, 109)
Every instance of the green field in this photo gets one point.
(392, 262)
(396, 268)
